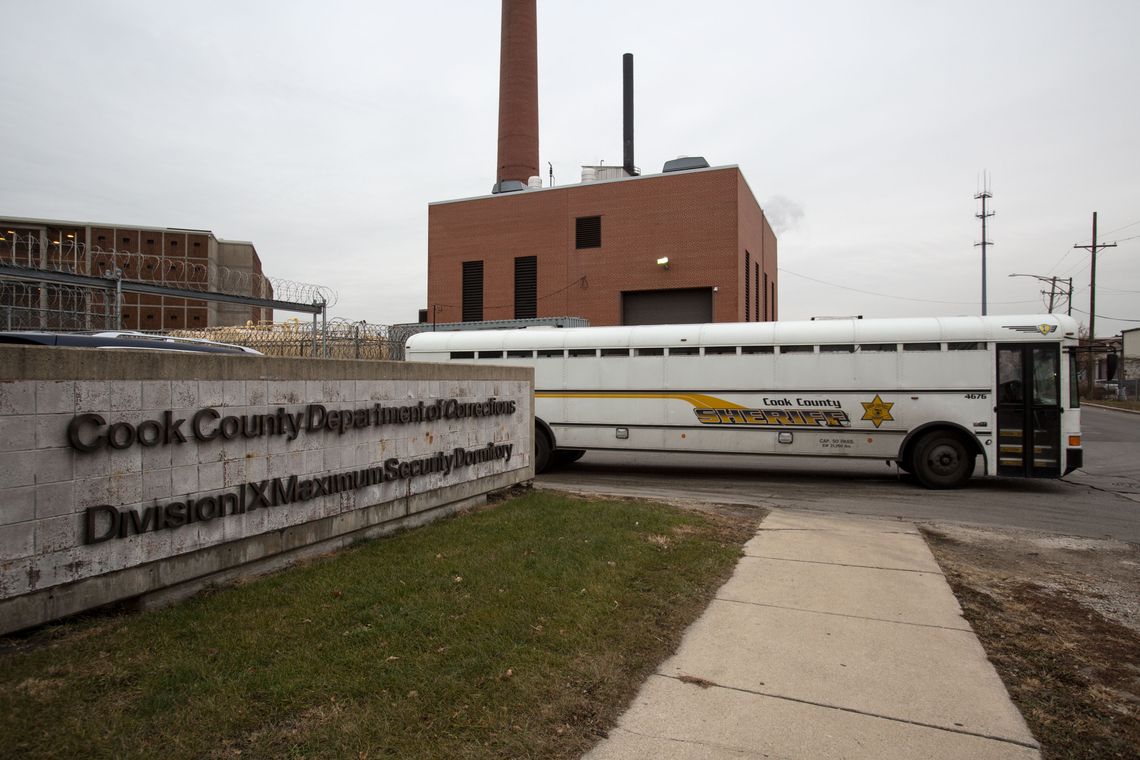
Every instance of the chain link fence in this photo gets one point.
(32, 306)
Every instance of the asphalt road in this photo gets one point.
(1100, 501)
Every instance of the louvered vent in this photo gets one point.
(472, 291)
(747, 286)
(526, 287)
(588, 232)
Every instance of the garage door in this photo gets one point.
(666, 307)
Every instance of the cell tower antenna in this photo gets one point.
(984, 195)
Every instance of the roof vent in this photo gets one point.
(685, 163)
(508, 186)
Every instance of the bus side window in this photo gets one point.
(797, 349)
(864, 347)
(685, 351)
(922, 346)
(756, 349)
(551, 353)
(649, 352)
(462, 354)
(847, 349)
(615, 352)
(520, 354)
(966, 346)
(583, 352)
(720, 350)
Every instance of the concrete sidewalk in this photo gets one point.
(836, 637)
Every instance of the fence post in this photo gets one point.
(314, 332)
(324, 330)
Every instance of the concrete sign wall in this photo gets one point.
(123, 474)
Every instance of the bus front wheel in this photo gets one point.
(942, 460)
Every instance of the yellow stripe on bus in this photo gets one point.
(698, 400)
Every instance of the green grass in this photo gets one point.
(517, 631)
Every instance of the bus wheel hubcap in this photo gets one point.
(944, 459)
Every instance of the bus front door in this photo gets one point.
(1029, 410)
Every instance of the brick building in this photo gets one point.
(180, 258)
(593, 250)
(690, 244)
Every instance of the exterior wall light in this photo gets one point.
(663, 262)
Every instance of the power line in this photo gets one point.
(1101, 316)
(1061, 260)
(890, 295)
(581, 282)
(1069, 251)
(1118, 229)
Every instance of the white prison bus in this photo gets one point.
(931, 394)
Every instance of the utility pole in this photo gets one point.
(1092, 298)
(983, 196)
(1054, 291)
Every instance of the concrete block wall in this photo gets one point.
(46, 567)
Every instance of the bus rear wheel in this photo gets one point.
(942, 460)
(568, 456)
(543, 452)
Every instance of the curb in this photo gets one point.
(1110, 408)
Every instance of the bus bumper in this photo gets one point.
(1074, 458)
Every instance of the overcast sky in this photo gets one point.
(322, 130)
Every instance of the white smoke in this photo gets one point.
(783, 213)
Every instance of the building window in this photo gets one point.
(588, 232)
(472, 291)
(747, 286)
(526, 287)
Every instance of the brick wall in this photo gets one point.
(703, 221)
(49, 566)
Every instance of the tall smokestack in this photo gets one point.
(627, 113)
(518, 93)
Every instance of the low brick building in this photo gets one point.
(683, 246)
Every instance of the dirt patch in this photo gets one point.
(1060, 619)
